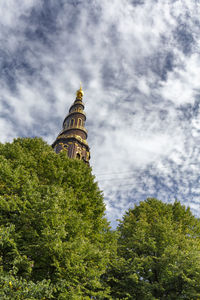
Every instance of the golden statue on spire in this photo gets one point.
(79, 93)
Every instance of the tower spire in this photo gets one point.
(73, 136)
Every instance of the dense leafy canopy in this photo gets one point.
(55, 242)
(54, 239)
(158, 253)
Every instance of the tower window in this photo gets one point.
(66, 124)
(80, 122)
(72, 122)
(78, 156)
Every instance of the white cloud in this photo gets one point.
(183, 83)
(12, 10)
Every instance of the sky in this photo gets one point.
(139, 64)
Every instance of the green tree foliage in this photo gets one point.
(55, 241)
(158, 253)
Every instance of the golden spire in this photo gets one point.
(79, 93)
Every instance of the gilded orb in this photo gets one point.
(79, 94)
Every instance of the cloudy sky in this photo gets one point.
(139, 64)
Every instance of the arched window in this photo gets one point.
(66, 124)
(78, 156)
(72, 122)
(80, 122)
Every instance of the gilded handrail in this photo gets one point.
(74, 127)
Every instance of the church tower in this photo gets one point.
(73, 136)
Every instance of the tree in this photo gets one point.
(54, 235)
(158, 253)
